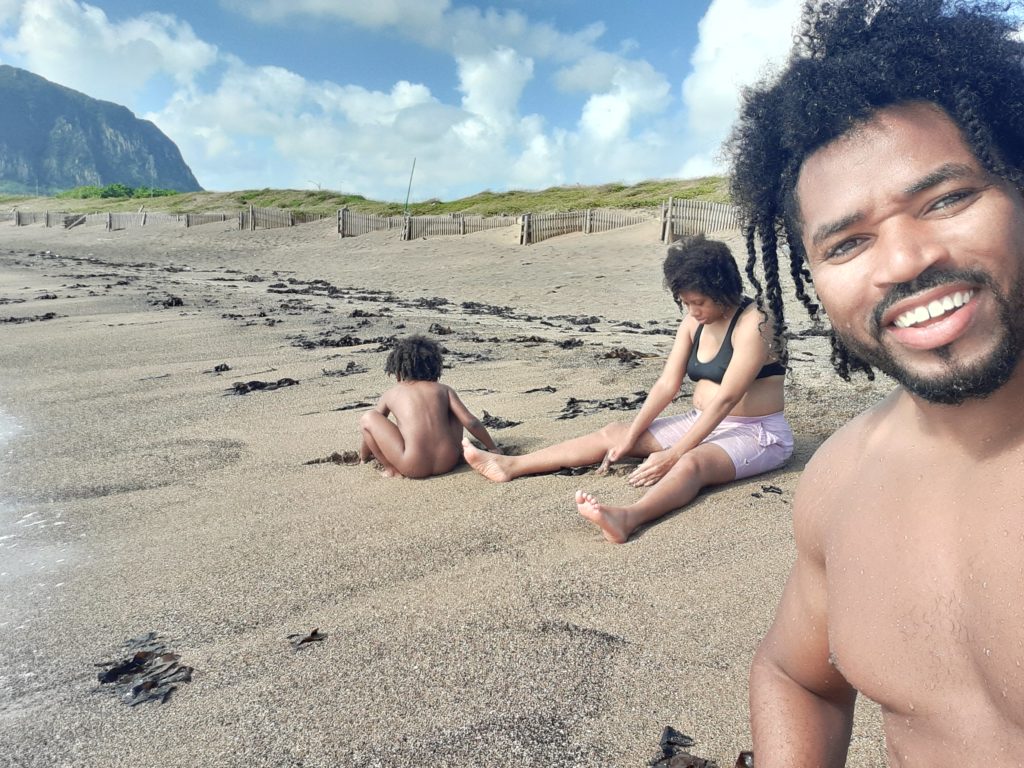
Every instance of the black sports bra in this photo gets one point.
(714, 369)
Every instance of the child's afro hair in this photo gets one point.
(414, 358)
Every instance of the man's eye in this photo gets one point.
(952, 199)
(844, 248)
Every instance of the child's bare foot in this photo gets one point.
(611, 520)
(490, 465)
(391, 472)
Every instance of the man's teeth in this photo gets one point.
(935, 308)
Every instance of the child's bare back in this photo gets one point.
(425, 438)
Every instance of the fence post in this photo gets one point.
(666, 223)
(341, 222)
(524, 234)
(407, 228)
(587, 222)
(252, 218)
(110, 221)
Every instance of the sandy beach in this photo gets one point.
(468, 623)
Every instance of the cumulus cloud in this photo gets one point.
(737, 41)
(76, 45)
(491, 86)
(241, 126)
(372, 14)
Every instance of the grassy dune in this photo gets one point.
(646, 194)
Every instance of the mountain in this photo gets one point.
(53, 138)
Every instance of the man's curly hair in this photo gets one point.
(850, 59)
(705, 266)
(414, 358)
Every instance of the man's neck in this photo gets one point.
(982, 426)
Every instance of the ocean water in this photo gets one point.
(31, 570)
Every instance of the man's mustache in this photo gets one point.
(930, 278)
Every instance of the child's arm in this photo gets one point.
(470, 422)
(382, 406)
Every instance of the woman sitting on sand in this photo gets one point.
(736, 427)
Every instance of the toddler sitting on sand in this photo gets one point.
(425, 439)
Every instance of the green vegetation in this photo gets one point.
(113, 191)
(646, 194)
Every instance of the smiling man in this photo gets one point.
(888, 156)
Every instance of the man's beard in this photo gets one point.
(960, 381)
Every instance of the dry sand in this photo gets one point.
(469, 623)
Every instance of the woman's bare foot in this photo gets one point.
(490, 465)
(611, 520)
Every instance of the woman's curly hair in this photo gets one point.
(850, 59)
(414, 358)
(705, 266)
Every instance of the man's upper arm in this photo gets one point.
(797, 644)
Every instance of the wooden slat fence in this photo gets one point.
(481, 223)
(541, 226)
(538, 227)
(354, 224)
(116, 221)
(198, 219)
(691, 217)
(25, 218)
(605, 220)
(453, 224)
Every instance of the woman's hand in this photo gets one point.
(654, 467)
(615, 453)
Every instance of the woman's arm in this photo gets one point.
(661, 393)
(750, 353)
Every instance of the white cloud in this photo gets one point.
(737, 40)
(240, 126)
(491, 86)
(364, 13)
(76, 45)
(634, 89)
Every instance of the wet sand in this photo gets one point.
(467, 623)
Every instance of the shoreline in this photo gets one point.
(467, 622)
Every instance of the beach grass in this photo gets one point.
(645, 194)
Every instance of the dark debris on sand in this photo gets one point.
(348, 370)
(347, 458)
(353, 406)
(300, 640)
(578, 407)
(626, 356)
(151, 673)
(245, 387)
(674, 754)
(33, 319)
(496, 422)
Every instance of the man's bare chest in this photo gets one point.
(925, 577)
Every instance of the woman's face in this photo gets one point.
(701, 308)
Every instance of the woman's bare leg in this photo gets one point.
(704, 465)
(578, 452)
(382, 438)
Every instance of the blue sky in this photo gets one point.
(343, 94)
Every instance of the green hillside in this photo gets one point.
(646, 194)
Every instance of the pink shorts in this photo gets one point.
(755, 444)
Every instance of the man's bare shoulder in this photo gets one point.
(835, 469)
(858, 435)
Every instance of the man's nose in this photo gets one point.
(905, 249)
